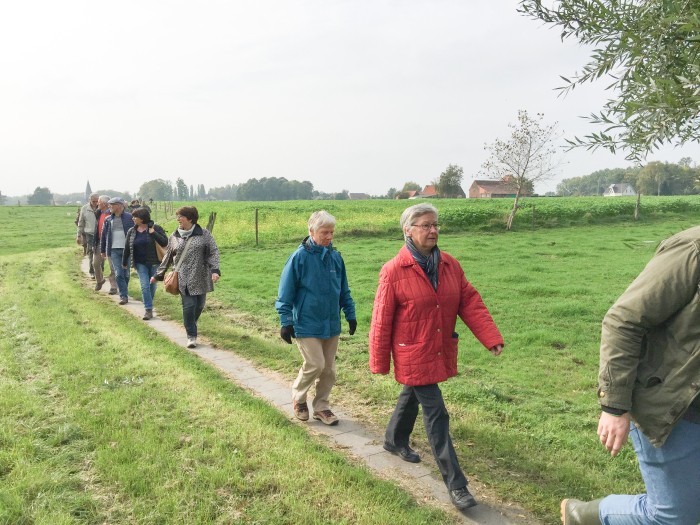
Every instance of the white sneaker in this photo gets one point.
(191, 342)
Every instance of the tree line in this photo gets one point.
(655, 178)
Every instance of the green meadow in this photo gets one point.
(104, 421)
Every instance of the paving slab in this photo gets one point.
(349, 435)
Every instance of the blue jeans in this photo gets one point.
(148, 290)
(192, 306)
(672, 478)
(122, 274)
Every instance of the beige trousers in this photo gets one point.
(98, 264)
(318, 368)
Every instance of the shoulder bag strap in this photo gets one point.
(181, 256)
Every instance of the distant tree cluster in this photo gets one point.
(158, 190)
(656, 178)
(274, 189)
(40, 197)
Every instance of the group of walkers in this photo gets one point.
(131, 239)
(649, 381)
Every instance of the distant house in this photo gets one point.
(358, 196)
(411, 194)
(494, 189)
(429, 191)
(621, 189)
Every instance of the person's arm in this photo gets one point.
(158, 234)
(380, 332)
(346, 301)
(103, 238)
(287, 292)
(127, 248)
(213, 259)
(80, 235)
(477, 317)
(666, 285)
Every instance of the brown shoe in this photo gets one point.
(148, 315)
(124, 300)
(327, 417)
(301, 410)
(98, 285)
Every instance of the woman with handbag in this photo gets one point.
(195, 255)
(142, 245)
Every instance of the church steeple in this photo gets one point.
(88, 192)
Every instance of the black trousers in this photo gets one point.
(437, 427)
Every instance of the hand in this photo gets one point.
(613, 431)
(353, 325)
(152, 280)
(104, 256)
(125, 266)
(78, 240)
(287, 332)
(215, 277)
(496, 350)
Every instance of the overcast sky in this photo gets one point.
(361, 95)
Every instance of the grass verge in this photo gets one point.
(103, 421)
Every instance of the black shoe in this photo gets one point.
(113, 291)
(462, 499)
(406, 453)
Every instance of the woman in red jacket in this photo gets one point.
(421, 292)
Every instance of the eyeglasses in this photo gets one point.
(427, 227)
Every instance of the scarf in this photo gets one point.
(429, 263)
(185, 233)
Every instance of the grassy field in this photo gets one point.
(523, 424)
(104, 421)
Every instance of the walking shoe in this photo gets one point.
(301, 410)
(124, 300)
(191, 342)
(326, 417)
(98, 285)
(148, 315)
(406, 453)
(113, 291)
(462, 499)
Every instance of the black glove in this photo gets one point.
(287, 332)
(353, 325)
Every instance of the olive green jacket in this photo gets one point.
(650, 344)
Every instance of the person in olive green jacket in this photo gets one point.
(648, 389)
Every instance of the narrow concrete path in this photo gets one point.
(350, 436)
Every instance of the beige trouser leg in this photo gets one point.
(318, 367)
(98, 265)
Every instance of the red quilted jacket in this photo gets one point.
(414, 324)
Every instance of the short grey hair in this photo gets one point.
(319, 219)
(411, 214)
(104, 198)
(94, 195)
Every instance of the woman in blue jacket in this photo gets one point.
(313, 289)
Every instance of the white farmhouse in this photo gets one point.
(621, 189)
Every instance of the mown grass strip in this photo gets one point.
(104, 421)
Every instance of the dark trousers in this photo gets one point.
(437, 427)
(192, 306)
